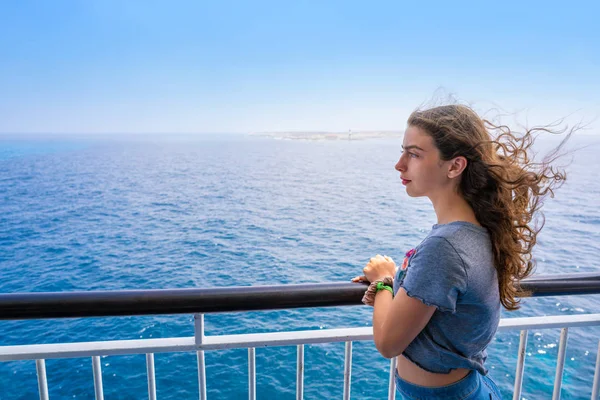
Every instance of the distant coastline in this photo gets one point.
(318, 135)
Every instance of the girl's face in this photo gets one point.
(421, 169)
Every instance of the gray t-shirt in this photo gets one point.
(453, 269)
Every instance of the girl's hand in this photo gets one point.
(378, 267)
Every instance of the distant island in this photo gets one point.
(315, 135)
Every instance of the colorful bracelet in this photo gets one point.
(381, 284)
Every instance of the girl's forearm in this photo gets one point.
(381, 308)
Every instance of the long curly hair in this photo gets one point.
(501, 182)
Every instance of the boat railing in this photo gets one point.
(199, 301)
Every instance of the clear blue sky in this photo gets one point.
(243, 66)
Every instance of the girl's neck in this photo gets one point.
(451, 207)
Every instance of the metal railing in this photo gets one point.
(200, 301)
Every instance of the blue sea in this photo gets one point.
(151, 212)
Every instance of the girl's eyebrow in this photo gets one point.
(412, 146)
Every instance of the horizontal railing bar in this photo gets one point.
(99, 348)
(565, 277)
(176, 301)
(227, 299)
(289, 338)
(549, 321)
(167, 345)
(559, 287)
(246, 340)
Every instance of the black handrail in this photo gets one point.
(241, 298)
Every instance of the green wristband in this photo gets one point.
(382, 286)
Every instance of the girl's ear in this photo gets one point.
(457, 166)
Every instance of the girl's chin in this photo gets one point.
(412, 193)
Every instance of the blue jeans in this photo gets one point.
(474, 386)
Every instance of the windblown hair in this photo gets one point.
(501, 182)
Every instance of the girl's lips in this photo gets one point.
(405, 181)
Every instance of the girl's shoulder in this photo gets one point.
(457, 226)
(456, 238)
(459, 233)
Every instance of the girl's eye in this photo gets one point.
(411, 155)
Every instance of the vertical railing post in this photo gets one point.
(300, 373)
(151, 376)
(392, 383)
(199, 340)
(347, 370)
(520, 365)
(251, 373)
(40, 366)
(596, 386)
(560, 363)
(97, 369)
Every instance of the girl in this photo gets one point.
(439, 311)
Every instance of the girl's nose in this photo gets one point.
(400, 165)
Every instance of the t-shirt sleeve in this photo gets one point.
(436, 274)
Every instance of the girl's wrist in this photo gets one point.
(381, 278)
(386, 283)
